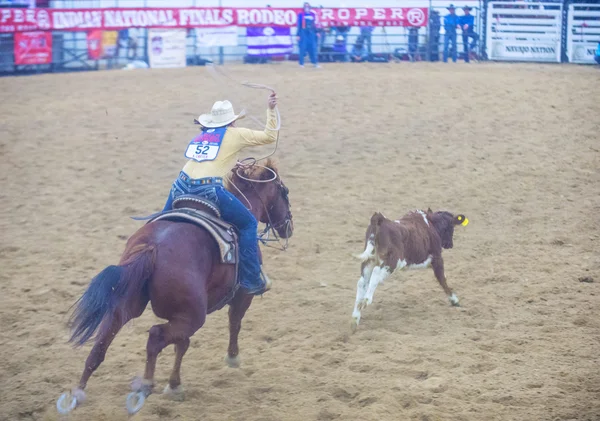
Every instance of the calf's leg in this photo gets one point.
(361, 290)
(379, 275)
(437, 263)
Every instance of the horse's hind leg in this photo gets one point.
(177, 331)
(181, 348)
(237, 309)
(98, 352)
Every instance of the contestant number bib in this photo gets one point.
(205, 146)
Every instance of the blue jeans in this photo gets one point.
(450, 37)
(468, 48)
(233, 212)
(308, 43)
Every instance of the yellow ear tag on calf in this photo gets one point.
(465, 222)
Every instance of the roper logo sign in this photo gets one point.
(43, 19)
(415, 17)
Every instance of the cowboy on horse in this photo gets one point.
(213, 154)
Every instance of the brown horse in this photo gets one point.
(177, 267)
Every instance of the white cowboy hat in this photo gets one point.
(221, 115)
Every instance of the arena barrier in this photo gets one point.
(66, 39)
(583, 32)
(524, 31)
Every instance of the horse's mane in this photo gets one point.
(254, 172)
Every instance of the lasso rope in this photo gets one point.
(243, 164)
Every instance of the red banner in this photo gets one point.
(17, 20)
(33, 48)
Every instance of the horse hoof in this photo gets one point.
(135, 401)
(233, 362)
(176, 394)
(454, 300)
(66, 403)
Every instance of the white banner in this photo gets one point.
(226, 36)
(166, 47)
(583, 32)
(525, 51)
(583, 53)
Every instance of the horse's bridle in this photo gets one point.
(263, 237)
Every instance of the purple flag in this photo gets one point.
(268, 41)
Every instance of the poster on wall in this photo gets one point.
(94, 44)
(33, 48)
(109, 43)
(166, 48)
(226, 36)
(101, 44)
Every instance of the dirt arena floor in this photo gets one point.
(515, 147)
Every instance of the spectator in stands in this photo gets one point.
(434, 37)
(307, 35)
(450, 25)
(339, 49)
(365, 33)
(359, 52)
(467, 23)
(341, 30)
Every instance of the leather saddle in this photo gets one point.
(205, 214)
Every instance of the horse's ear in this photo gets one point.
(429, 211)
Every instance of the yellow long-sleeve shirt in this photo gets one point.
(235, 139)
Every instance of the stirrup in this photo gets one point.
(268, 282)
(266, 285)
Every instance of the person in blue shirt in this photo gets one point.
(467, 23)
(366, 33)
(450, 24)
(307, 35)
(359, 52)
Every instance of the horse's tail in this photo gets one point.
(108, 293)
(372, 235)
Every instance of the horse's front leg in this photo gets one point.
(237, 309)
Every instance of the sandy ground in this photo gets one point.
(515, 147)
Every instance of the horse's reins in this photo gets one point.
(240, 165)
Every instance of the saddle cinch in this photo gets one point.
(205, 214)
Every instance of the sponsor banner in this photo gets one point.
(584, 53)
(525, 51)
(16, 20)
(166, 48)
(268, 41)
(33, 48)
(217, 37)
